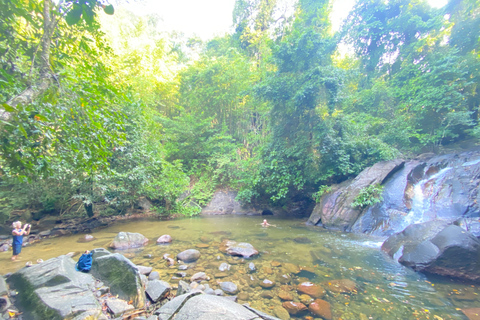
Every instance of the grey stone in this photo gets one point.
(199, 276)
(157, 289)
(219, 292)
(251, 267)
(128, 240)
(432, 247)
(229, 287)
(183, 288)
(223, 202)
(205, 307)
(166, 238)
(121, 275)
(144, 270)
(209, 291)
(144, 203)
(3, 287)
(154, 275)
(5, 303)
(98, 252)
(190, 255)
(224, 267)
(117, 306)
(242, 249)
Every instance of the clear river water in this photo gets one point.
(384, 289)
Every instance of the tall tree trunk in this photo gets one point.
(45, 79)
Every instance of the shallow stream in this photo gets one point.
(384, 288)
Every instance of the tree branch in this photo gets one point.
(45, 80)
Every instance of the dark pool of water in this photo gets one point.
(384, 288)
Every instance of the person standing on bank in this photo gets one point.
(18, 233)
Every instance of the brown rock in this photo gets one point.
(472, 313)
(291, 268)
(202, 245)
(267, 294)
(267, 284)
(220, 275)
(267, 270)
(313, 290)
(321, 308)
(294, 308)
(284, 295)
(275, 264)
(281, 313)
(341, 286)
(284, 278)
(305, 299)
(164, 239)
(243, 296)
(204, 239)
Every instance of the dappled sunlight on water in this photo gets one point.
(384, 288)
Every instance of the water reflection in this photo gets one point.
(384, 288)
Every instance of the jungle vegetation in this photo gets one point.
(99, 109)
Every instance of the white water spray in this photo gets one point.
(420, 203)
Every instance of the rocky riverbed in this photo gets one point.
(291, 271)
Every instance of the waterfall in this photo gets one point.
(421, 202)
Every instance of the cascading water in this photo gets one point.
(424, 193)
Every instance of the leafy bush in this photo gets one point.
(321, 191)
(368, 196)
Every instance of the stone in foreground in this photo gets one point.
(205, 307)
(55, 290)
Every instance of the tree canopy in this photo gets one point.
(100, 109)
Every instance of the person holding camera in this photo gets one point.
(18, 233)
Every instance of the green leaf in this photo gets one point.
(74, 15)
(88, 14)
(8, 108)
(109, 9)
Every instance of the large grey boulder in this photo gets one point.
(205, 307)
(55, 290)
(430, 187)
(335, 209)
(435, 248)
(128, 240)
(223, 202)
(121, 275)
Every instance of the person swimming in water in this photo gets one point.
(265, 224)
(18, 233)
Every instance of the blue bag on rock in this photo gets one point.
(84, 264)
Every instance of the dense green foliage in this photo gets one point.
(276, 109)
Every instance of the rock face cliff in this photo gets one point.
(430, 210)
(432, 187)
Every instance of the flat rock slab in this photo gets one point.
(55, 290)
(117, 306)
(157, 289)
(205, 307)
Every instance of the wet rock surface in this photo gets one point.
(241, 249)
(432, 247)
(128, 240)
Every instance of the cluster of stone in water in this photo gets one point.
(282, 289)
